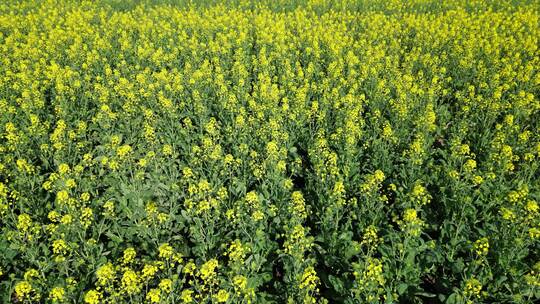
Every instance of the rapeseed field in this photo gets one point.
(330, 151)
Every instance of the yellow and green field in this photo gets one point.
(330, 151)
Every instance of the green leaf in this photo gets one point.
(402, 288)
(337, 283)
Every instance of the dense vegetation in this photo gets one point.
(269, 151)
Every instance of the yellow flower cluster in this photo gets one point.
(472, 290)
(481, 246)
(410, 223)
(370, 237)
(369, 280)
